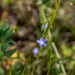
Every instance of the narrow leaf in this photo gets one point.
(4, 47)
(3, 34)
(3, 26)
(8, 34)
(10, 52)
(10, 41)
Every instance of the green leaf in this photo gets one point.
(7, 1)
(10, 41)
(1, 56)
(42, 15)
(3, 26)
(10, 52)
(15, 66)
(4, 47)
(39, 2)
(3, 34)
(45, 1)
(1, 71)
(1, 31)
(8, 34)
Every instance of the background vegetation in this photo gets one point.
(20, 27)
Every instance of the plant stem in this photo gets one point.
(58, 56)
(51, 20)
(36, 60)
(10, 73)
(53, 44)
(24, 68)
(28, 70)
(50, 58)
(50, 25)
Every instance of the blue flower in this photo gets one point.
(42, 42)
(35, 50)
(44, 26)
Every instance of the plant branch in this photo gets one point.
(58, 56)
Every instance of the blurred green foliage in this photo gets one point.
(7, 1)
(63, 36)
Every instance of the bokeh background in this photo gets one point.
(24, 17)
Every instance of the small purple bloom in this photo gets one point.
(35, 50)
(42, 42)
(44, 26)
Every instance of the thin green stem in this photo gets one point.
(51, 22)
(38, 53)
(29, 66)
(10, 73)
(24, 68)
(36, 60)
(58, 56)
(50, 59)
(29, 70)
(50, 25)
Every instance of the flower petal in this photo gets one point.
(40, 45)
(42, 26)
(44, 44)
(38, 41)
(35, 50)
(44, 40)
(46, 26)
(41, 39)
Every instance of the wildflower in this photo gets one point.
(44, 26)
(35, 50)
(42, 42)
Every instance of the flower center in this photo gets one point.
(41, 42)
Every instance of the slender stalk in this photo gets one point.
(29, 66)
(50, 25)
(10, 73)
(50, 58)
(36, 60)
(24, 68)
(29, 70)
(53, 44)
(39, 53)
(51, 20)
(58, 56)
